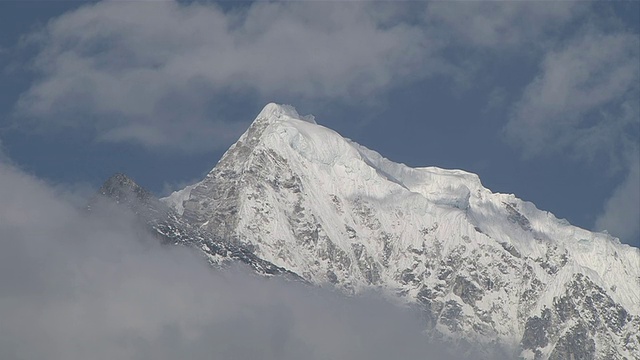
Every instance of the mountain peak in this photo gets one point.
(484, 266)
(120, 179)
(279, 112)
(122, 188)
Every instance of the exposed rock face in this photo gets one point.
(170, 228)
(488, 269)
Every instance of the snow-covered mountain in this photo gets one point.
(489, 270)
(170, 228)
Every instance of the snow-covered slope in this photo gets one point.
(170, 228)
(487, 268)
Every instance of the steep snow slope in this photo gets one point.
(487, 268)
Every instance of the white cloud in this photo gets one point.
(151, 73)
(495, 25)
(587, 86)
(78, 286)
(584, 103)
(621, 215)
(157, 73)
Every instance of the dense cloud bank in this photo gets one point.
(79, 286)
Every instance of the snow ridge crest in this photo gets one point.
(283, 112)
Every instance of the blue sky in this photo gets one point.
(540, 99)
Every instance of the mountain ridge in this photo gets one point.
(485, 266)
(163, 223)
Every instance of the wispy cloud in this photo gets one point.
(152, 73)
(622, 210)
(77, 286)
(587, 84)
(584, 103)
(500, 25)
(156, 73)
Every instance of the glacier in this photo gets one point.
(488, 269)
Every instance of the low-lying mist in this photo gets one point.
(75, 285)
